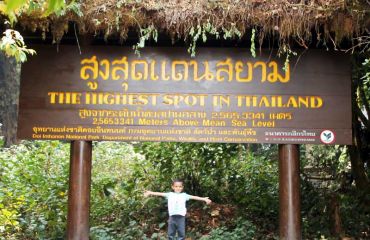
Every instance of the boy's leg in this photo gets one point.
(181, 228)
(171, 228)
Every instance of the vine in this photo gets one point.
(232, 32)
(145, 35)
(201, 31)
(253, 44)
(285, 49)
(195, 34)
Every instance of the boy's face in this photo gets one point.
(177, 187)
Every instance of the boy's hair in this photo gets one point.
(177, 180)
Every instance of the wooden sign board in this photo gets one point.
(221, 95)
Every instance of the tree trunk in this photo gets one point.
(357, 163)
(336, 228)
(360, 127)
(9, 93)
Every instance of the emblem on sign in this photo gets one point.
(327, 137)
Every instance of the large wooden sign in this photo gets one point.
(222, 95)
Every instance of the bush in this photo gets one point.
(244, 229)
(33, 184)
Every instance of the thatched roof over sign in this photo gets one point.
(286, 19)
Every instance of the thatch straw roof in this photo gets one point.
(286, 19)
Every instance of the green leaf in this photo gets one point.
(13, 5)
(161, 225)
(55, 6)
(2, 7)
(22, 57)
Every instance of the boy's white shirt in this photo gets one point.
(177, 203)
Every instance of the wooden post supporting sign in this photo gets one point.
(289, 193)
(79, 190)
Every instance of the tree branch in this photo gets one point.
(362, 96)
(362, 117)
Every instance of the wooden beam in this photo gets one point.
(79, 191)
(289, 193)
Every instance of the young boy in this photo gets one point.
(177, 208)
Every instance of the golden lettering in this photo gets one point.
(181, 75)
(52, 97)
(264, 102)
(207, 74)
(64, 97)
(263, 70)
(120, 66)
(316, 102)
(108, 99)
(228, 70)
(292, 102)
(139, 75)
(92, 85)
(94, 68)
(163, 70)
(94, 71)
(275, 76)
(239, 69)
(179, 99)
(178, 70)
(104, 73)
(221, 100)
(303, 101)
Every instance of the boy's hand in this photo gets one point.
(147, 193)
(207, 200)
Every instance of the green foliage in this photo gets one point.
(34, 183)
(201, 31)
(327, 173)
(13, 45)
(224, 172)
(288, 52)
(55, 6)
(101, 233)
(232, 32)
(198, 164)
(14, 8)
(244, 229)
(355, 214)
(9, 8)
(195, 34)
(145, 35)
(33, 190)
(73, 6)
(253, 44)
(366, 69)
(329, 162)
(134, 232)
(117, 193)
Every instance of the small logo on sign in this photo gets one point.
(327, 137)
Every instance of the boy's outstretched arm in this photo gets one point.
(150, 193)
(204, 199)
